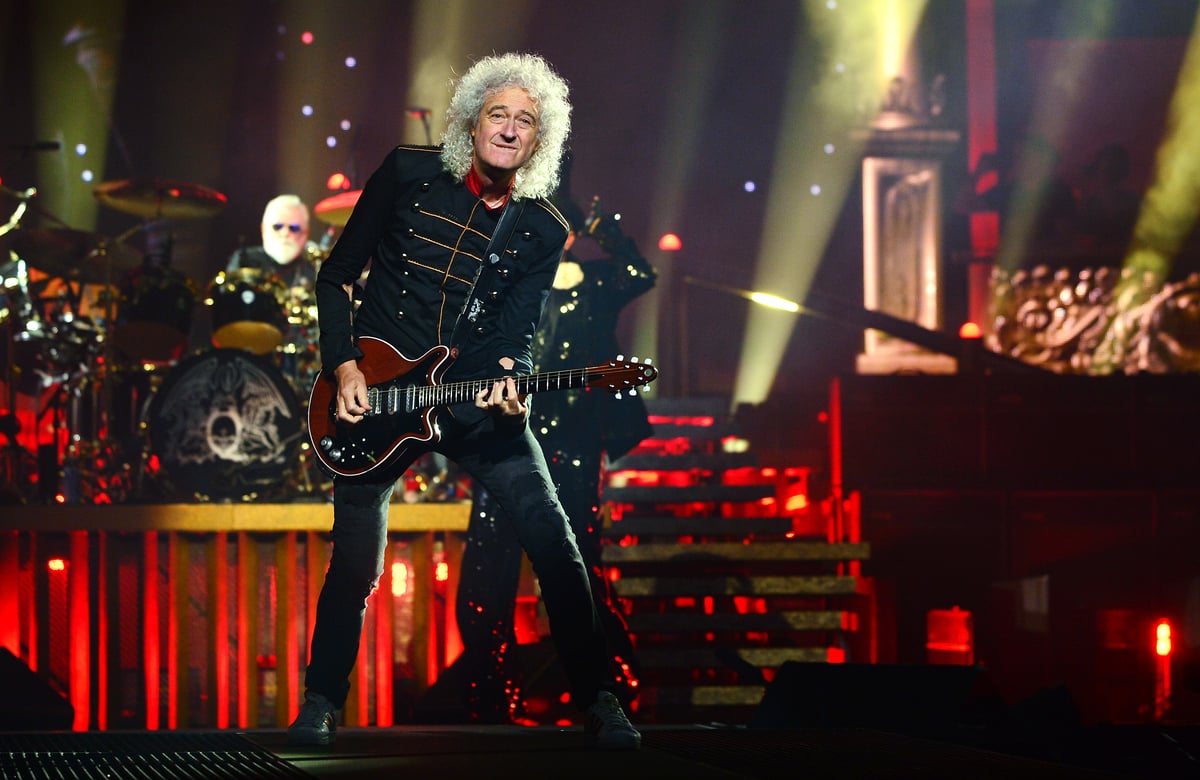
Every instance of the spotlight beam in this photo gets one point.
(847, 55)
(1169, 210)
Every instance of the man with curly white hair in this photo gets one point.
(463, 245)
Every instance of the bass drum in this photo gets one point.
(224, 426)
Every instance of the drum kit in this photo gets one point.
(97, 340)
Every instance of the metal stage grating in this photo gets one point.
(137, 755)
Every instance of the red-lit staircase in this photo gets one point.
(727, 568)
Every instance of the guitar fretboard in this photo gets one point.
(393, 398)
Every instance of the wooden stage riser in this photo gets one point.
(183, 629)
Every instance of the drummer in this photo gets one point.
(284, 252)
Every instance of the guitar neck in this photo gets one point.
(413, 397)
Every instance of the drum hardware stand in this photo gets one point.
(10, 425)
(89, 430)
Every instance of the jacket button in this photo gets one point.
(493, 295)
(403, 291)
(399, 315)
(416, 206)
(479, 331)
(424, 186)
(410, 231)
(503, 272)
(527, 235)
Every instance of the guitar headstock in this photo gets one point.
(619, 376)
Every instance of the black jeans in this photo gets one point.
(510, 465)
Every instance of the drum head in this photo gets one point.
(225, 425)
(249, 310)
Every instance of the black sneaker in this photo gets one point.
(316, 723)
(608, 726)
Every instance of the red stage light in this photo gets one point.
(399, 578)
(442, 572)
(1162, 638)
(56, 564)
(670, 243)
(1162, 668)
(796, 503)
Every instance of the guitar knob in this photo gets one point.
(335, 454)
(326, 443)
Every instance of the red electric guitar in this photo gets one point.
(404, 393)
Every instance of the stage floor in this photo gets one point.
(684, 751)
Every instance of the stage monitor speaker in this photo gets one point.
(38, 707)
(889, 697)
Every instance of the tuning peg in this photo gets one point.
(620, 358)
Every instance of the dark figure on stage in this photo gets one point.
(576, 430)
(463, 247)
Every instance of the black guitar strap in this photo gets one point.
(505, 227)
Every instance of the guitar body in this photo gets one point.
(378, 440)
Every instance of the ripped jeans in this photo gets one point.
(511, 467)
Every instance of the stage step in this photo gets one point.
(702, 526)
(726, 570)
(632, 587)
(734, 658)
(725, 622)
(749, 550)
(687, 494)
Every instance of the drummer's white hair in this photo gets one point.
(538, 178)
(285, 200)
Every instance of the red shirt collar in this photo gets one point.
(476, 187)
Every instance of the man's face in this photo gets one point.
(505, 132)
(284, 231)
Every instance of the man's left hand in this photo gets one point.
(503, 399)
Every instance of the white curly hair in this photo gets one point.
(538, 177)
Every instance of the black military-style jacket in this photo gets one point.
(425, 235)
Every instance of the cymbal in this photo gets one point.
(71, 254)
(160, 198)
(335, 210)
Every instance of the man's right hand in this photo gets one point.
(351, 393)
